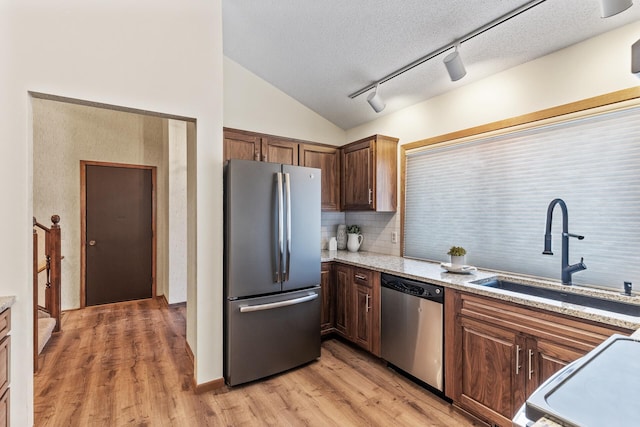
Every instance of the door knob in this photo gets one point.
(92, 242)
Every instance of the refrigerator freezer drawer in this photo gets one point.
(268, 335)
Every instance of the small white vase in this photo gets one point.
(354, 241)
(458, 261)
(341, 236)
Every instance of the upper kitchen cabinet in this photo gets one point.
(245, 145)
(327, 159)
(280, 150)
(242, 145)
(369, 174)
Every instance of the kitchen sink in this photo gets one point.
(558, 295)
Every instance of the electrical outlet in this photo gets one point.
(394, 237)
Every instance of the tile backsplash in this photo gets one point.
(377, 229)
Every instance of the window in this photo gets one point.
(490, 195)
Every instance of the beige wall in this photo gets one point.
(594, 67)
(63, 135)
(250, 103)
(114, 53)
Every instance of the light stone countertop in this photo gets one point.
(6, 302)
(431, 272)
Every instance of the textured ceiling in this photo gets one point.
(319, 52)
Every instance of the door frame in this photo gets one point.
(83, 222)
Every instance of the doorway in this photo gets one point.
(118, 238)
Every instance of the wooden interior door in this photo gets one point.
(118, 239)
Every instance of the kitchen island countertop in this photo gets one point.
(432, 272)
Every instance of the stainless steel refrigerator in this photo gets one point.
(271, 268)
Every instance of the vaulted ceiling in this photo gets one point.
(319, 52)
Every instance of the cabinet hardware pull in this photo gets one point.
(361, 277)
(530, 366)
(370, 195)
(518, 359)
(367, 303)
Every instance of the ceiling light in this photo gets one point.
(456, 60)
(375, 100)
(455, 66)
(613, 7)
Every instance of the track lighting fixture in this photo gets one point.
(375, 100)
(453, 61)
(454, 64)
(613, 7)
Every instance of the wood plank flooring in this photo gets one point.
(126, 365)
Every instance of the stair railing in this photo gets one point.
(53, 256)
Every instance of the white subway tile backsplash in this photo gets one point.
(377, 228)
(329, 222)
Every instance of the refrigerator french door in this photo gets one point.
(271, 268)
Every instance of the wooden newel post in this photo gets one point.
(56, 273)
(35, 298)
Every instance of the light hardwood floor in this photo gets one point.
(126, 365)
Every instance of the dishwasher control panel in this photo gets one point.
(413, 287)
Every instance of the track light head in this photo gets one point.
(375, 100)
(455, 66)
(613, 7)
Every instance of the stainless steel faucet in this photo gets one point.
(566, 269)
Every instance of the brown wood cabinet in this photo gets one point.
(246, 145)
(327, 159)
(5, 350)
(280, 150)
(369, 174)
(242, 145)
(497, 353)
(358, 306)
(328, 307)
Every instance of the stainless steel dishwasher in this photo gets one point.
(412, 328)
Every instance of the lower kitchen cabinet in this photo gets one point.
(498, 353)
(327, 313)
(357, 306)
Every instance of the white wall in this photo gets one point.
(594, 67)
(111, 52)
(250, 103)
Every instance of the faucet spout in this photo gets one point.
(566, 270)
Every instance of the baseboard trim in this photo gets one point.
(204, 387)
(208, 386)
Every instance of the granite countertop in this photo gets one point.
(431, 272)
(6, 302)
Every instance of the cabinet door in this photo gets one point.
(357, 176)
(343, 304)
(326, 284)
(545, 358)
(327, 160)
(241, 145)
(363, 316)
(491, 370)
(279, 151)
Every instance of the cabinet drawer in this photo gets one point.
(579, 334)
(363, 277)
(5, 323)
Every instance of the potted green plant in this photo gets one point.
(457, 254)
(354, 238)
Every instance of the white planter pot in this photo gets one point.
(458, 261)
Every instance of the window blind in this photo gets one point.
(490, 195)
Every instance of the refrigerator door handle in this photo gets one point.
(270, 306)
(287, 183)
(280, 251)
